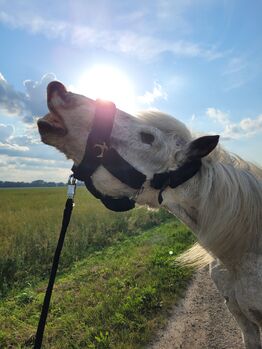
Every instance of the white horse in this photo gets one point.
(221, 203)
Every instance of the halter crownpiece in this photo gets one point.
(99, 152)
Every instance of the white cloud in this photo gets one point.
(231, 130)
(237, 83)
(235, 65)
(9, 148)
(18, 145)
(150, 97)
(125, 41)
(218, 116)
(26, 144)
(193, 117)
(25, 105)
(8, 142)
(12, 103)
(27, 162)
(2, 77)
(252, 125)
(28, 169)
(36, 94)
(240, 70)
(35, 24)
(21, 152)
(6, 131)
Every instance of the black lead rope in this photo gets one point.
(66, 219)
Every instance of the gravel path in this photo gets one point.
(200, 321)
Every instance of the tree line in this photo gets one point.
(33, 184)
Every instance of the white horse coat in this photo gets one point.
(221, 203)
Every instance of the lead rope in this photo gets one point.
(71, 188)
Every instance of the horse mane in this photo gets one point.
(227, 158)
(230, 207)
(236, 184)
(231, 200)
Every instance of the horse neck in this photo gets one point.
(222, 205)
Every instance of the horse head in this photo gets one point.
(150, 142)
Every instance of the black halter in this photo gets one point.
(99, 152)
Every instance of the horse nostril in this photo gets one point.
(56, 86)
(43, 126)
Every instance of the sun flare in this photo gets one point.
(107, 82)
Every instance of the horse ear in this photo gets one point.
(201, 147)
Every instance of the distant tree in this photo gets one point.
(37, 183)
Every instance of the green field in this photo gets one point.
(117, 276)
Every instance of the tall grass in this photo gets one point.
(117, 276)
(116, 298)
(30, 223)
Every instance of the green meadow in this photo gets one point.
(117, 278)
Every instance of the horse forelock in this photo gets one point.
(165, 122)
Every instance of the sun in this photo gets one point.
(107, 82)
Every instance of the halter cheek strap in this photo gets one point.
(99, 152)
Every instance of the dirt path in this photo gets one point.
(200, 321)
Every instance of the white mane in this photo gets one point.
(231, 198)
(230, 207)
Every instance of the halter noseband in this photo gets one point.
(99, 152)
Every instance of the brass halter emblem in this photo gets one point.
(103, 148)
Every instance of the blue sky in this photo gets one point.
(199, 60)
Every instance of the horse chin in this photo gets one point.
(110, 185)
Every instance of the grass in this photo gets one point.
(30, 224)
(117, 280)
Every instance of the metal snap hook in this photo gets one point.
(71, 187)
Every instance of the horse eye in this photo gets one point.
(147, 138)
